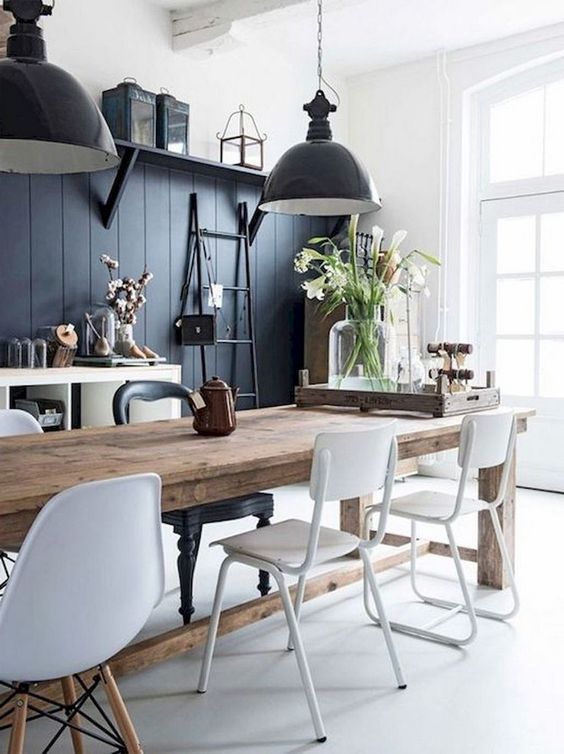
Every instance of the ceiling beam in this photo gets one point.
(207, 24)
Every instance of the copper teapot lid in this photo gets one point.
(215, 384)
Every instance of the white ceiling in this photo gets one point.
(364, 34)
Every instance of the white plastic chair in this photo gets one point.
(345, 465)
(83, 586)
(486, 440)
(14, 422)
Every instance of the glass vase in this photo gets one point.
(411, 371)
(362, 353)
(124, 339)
(98, 331)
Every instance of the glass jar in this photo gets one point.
(27, 353)
(411, 371)
(14, 354)
(98, 331)
(124, 339)
(361, 353)
(39, 349)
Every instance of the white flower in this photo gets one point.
(337, 279)
(302, 260)
(398, 237)
(314, 288)
(418, 276)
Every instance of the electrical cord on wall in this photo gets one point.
(444, 192)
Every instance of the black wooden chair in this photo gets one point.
(187, 523)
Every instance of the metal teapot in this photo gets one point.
(213, 406)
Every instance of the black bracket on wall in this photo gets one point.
(133, 153)
(110, 207)
(255, 223)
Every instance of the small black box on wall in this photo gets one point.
(198, 330)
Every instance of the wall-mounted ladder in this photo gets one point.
(198, 257)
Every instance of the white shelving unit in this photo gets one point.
(97, 388)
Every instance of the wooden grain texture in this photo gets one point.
(352, 514)
(491, 571)
(425, 402)
(316, 345)
(271, 447)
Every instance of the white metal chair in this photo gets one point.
(14, 422)
(486, 440)
(83, 586)
(345, 465)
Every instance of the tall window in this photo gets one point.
(521, 277)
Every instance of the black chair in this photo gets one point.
(187, 523)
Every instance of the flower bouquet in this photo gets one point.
(358, 352)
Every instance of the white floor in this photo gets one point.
(502, 695)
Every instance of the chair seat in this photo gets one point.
(285, 543)
(430, 505)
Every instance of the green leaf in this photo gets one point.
(428, 257)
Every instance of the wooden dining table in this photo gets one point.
(271, 448)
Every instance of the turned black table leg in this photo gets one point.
(188, 546)
(264, 577)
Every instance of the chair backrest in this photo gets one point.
(358, 462)
(15, 422)
(347, 465)
(485, 438)
(88, 575)
(144, 390)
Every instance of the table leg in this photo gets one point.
(352, 515)
(490, 565)
(188, 546)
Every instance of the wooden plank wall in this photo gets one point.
(51, 238)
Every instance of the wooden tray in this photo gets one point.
(427, 402)
(116, 361)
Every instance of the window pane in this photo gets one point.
(552, 241)
(554, 128)
(551, 300)
(515, 366)
(516, 137)
(552, 368)
(516, 244)
(515, 307)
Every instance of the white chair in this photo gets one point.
(14, 422)
(345, 465)
(486, 440)
(83, 586)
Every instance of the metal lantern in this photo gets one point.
(131, 113)
(173, 123)
(241, 148)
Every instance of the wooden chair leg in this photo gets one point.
(119, 710)
(19, 719)
(69, 695)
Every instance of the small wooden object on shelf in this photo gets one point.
(61, 348)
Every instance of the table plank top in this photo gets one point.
(270, 447)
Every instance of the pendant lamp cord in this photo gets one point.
(320, 78)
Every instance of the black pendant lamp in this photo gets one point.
(48, 121)
(319, 177)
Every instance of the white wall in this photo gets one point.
(102, 42)
(398, 126)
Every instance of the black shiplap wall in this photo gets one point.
(51, 238)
